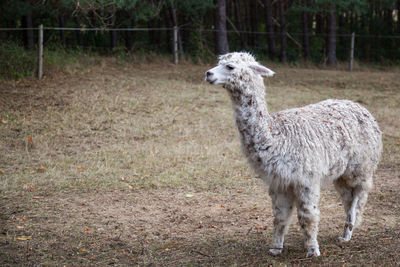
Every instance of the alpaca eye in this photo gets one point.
(230, 67)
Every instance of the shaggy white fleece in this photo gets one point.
(294, 151)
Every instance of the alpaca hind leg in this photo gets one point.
(308, 215)
(350, 221)
(354, 199)
(282, 205)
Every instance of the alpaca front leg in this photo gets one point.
(308, 215)
(282, 205)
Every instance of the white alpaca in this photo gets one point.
(294, 151)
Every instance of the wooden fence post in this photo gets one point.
(176, 44)
(40, 61)
(353, 36)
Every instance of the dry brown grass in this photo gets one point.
(97, 162)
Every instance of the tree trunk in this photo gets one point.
(247, 23)
(221, 35)
(61, 22)
(184, 35)
(239, 24)
(341, 24)
(159, 34)
(320, 24)
(78, 33)
(331, 45)
(306, 36)
(151, 34)
(3, 34)
(283, 30)
(113, 34)
(398, 16)
(128, 40)
(113, 42)
(168, 34)
(28, 40)
(253, 21)
(270, 29)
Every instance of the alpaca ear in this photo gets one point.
(263, 71)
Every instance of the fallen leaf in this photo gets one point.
(324, 252)
(20, 227)
(1, 171)
(259, 227)
(253, 208)
(36, 197)
(30, 139)
(83, 250)
(26, 186)
(189, 195)
(80, 169)
(240, 191)
(24, 238)
(129, 186)
(222, 205)
(87, 229)
(23, 219)
(123, 251)
(4, 121)
(41, 168)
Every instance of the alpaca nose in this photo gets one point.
(208, 73)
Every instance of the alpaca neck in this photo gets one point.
(252, 118)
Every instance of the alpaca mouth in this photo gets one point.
(211, 82)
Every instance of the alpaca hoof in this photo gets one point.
(344, 239)
(314, 252)
(275, 251)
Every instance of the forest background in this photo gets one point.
(291, 31)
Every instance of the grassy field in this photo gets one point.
(110, 163)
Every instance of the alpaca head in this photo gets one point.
(236, 66)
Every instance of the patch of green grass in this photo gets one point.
(15, 61)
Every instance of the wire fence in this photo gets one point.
(200, 43)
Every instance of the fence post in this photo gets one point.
(40, 61)
(176, 44)
(353, 36)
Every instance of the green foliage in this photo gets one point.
(194, 10)
(15, 61)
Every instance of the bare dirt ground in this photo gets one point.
(113, 163)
